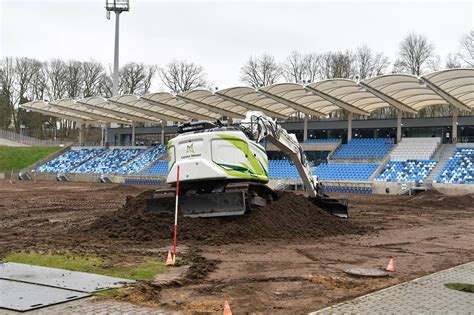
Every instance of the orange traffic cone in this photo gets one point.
(390, 266)
(227, 310)
(169, 260)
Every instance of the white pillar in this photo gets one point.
(349, 126)
(454, 128)
(229, 121)
(102, 132)
(115, 79)
(305, 127)
(133, 133)
(106, 133)
(399, 125)
(81, 133)
(163, 124)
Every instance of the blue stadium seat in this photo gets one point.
(345, 171)
(282, 169)
(363, 148)
(109, 161)
(407, 171)
(142, 161)
(69, 160)
(349, 190)
(314, 140)
(159, 168)
(459, 169)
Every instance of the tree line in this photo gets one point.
(24, 79)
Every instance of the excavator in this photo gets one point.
(223, 170)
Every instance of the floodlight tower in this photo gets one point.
(117, 6)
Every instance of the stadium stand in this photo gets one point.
(144, 181)
(110, 161)
(281, 169)
(460, 167)
(364, 148)
(346, 171)
(159, 168)
(406, 171)
(69, 160)
(348, 190)
(142, 161)
(314, 140)
(415, 149)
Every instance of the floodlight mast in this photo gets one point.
(117, 6)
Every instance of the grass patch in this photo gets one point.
(17, 158)
(140, 271)
(464, 287)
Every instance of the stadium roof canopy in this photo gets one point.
(406, 93)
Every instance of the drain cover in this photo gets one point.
(366, 272)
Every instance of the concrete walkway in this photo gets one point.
(94, 306)
(425, 295)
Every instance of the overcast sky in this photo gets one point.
(222, 35)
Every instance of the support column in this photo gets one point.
(349, 126)
(133, 133)
(81, 133)
(399, 125)
(163, 124)
(102, 132)
(454, 128)
(229, 121)
(305, 127)
(106, 133)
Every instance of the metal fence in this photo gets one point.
(13, 136)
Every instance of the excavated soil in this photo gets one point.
(290, 217)
(279, 264)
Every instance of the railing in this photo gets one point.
(30, 140)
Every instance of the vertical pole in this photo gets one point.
(349, 126)
(102, 135)
(81, 134)
(454, 128)
(229, 121)
(116, 55)
(399, 125)
(305, 127)
(163, 124)
(133, 133)
(176, 214)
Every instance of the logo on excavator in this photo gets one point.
(190, 149)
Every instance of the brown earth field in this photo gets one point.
(287, 258)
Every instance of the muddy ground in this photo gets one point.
(423, 234)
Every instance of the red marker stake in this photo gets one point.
(176, 215)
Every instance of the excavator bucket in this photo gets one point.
(336, 207)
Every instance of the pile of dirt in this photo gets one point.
(291, 216)
(434, 199)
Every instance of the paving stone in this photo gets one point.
(91, 306)
(423, 295)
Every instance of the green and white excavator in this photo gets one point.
(223, 171)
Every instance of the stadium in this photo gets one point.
(342, 194)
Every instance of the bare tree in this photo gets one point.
(312, 63)
(453, 61)
(93, 73)
(337, 65)
(180, 76)
(135, 78)
(17, 74)
(57, 73)
(466, 53)
(74, 79)
(414, 55)
(369, 64)
(294, 68)
(258, 72)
